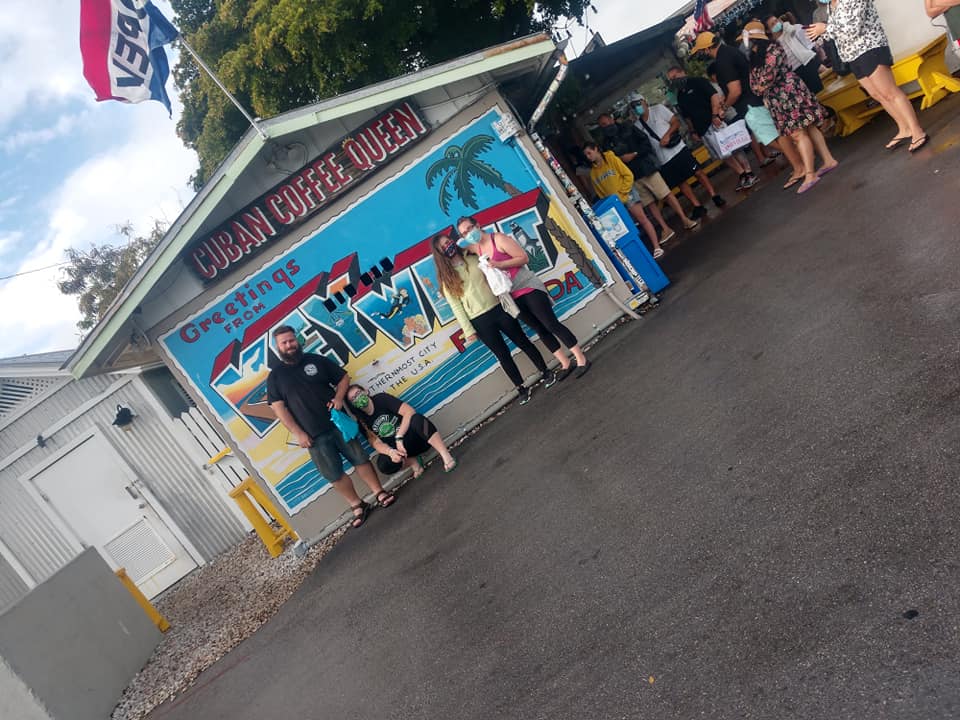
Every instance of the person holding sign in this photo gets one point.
(303, 391)
(397, 432)
(479, 313)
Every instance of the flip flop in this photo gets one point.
(807, 186)
(917, 144)
(826, 169)
(658, 253)
(450, 468)
(896, 142)
(792, 181)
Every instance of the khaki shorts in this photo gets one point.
(651, 188)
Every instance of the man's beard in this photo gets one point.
(292, 356)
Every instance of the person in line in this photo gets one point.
(733, 74)
(702, 105)
(529, 292)
(301, 391)
(793, 107)
(479, 313)
(609, 176)
(798, 48)
(677, 164)
(398, 433)
(862, 43)
(635, 149)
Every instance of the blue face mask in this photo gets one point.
(471, 238)
(777, 27)
(824, 2)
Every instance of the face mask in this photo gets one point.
(777, 27)
(361, 401)
(638, 109)
(824, 2)
(471, 238)
(450, 251)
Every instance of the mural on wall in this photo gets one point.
(363, 290)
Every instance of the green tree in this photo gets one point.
(96, 276)
(276, 55)
(458, 166)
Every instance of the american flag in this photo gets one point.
(702, 17)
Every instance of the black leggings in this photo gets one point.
(491, 326)
(415, 442)
(536, 310)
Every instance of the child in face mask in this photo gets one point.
(397, 432)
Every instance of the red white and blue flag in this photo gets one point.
(702, 17)
(121, 42)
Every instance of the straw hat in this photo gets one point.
(753, 31)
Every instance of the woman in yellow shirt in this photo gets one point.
(479, 314)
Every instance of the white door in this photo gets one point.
(93, 491)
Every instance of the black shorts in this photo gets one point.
(810, 74)
(864, 65)
(330, 449)
(415, 442)
(679, 168)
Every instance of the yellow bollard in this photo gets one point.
(159, 620)
(273, 539)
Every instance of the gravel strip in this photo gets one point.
(210, 612)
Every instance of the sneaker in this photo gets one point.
(548, 378)
(693, 225)
(524, 395)
(743, 179)
(563, 373)
(767, 162)
(667, 238)
(749, 181)
(718, 201)
(698, 212)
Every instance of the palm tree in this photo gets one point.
(458, 166)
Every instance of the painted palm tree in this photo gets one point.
(459, 166)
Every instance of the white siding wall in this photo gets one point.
(160, 450)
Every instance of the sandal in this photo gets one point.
(658, 253)
(792, 181)
(826, 169)
(918, 143)
(808, 186)
(360, 519)
(897, 142)
(451, 467)
(385, 498)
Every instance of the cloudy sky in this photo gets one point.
(71, 168)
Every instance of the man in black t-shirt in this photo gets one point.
(733, 76)
(700, 103)
(302, 391)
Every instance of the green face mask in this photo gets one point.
(361, 401)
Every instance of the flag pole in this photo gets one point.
(220, 85)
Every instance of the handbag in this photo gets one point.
(725, 140)
(347, 426)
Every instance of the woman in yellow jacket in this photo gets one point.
(610, 176)
(479, 313)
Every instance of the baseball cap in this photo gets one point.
(705, 40)
(635, 97)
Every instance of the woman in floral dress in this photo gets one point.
(795, 110)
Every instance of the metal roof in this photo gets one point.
(55, 357)
(101, 340)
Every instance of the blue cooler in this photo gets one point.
(621, 232)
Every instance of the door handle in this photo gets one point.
(132, 492)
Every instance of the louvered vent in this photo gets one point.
(14, 392)
(140, 551)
